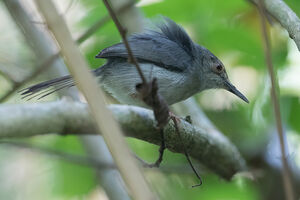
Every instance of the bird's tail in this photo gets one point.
(46, 88)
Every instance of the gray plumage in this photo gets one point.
(182, 68)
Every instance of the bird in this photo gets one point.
(181, 67)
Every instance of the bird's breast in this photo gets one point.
(120, 79)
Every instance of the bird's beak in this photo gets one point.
(232, 89)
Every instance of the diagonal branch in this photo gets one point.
(88, 85)
(285, 16)
(66, 117)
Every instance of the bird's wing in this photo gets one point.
(170, 48)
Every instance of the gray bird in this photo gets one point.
(182, 68)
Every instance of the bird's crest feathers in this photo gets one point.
(169, 47)
(177, 34)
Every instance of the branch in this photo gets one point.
(285, 16)
(66, 117)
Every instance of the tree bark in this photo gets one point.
(65, 117)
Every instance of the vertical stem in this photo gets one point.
(105, 122)
(286, 175)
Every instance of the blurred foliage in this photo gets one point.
(72, 179)
(293, 116)
(231, 30)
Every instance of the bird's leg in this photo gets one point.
(161, 150)
(148, 93)
(161, 153)
(176, 121)
(163, 145)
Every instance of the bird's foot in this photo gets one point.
(174, 117)
(161, 153)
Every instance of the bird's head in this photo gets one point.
(213, 74)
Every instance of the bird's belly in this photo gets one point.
(121, 81)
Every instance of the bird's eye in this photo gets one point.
(219, 68)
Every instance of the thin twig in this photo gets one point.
(267, 14)
(8, 77)
(38, 70)
(101, 22)
(148, 91)
(122, 31)
(288, 185)
(186, 153)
